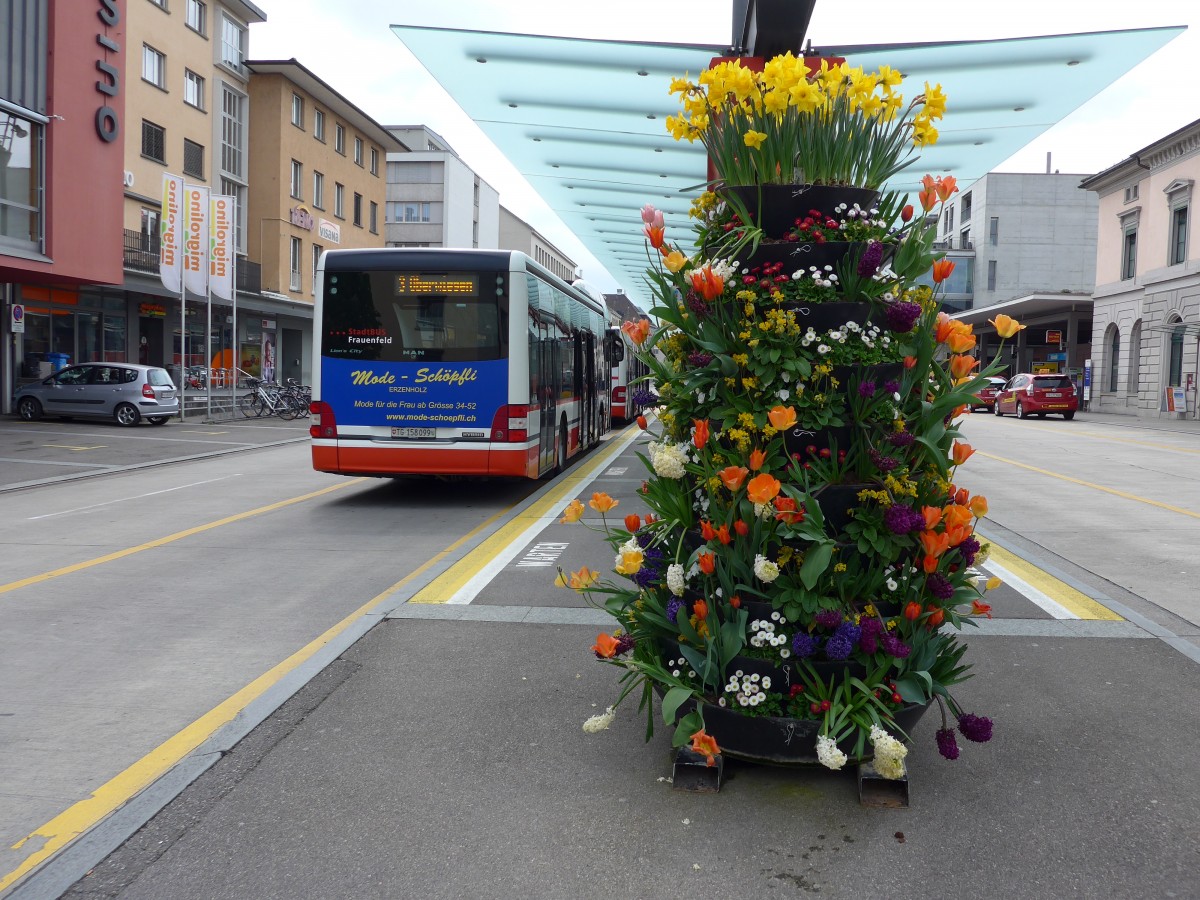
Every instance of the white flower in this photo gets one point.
(783, 395)
(889, 753)
(785, 652)
(766, 682)
(675, 579)
(600, 722)
(891, 584)
(823, 349)
(765, 570)
(828, 753)
(668, 460)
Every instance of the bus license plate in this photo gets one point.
(414, 432)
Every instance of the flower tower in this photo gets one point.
(794, 590)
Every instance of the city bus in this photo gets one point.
(432, 361)
(628, 371)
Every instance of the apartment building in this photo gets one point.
(317, 183)
(1147, 295)
(517, 234)
(435, 199)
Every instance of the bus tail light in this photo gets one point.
(618, 395)
(510, 424)
(324, 425)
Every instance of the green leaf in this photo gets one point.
(672, 700)
(816, 561)
(688, 725)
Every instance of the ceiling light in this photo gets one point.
(1072, 62)
(1018, 109)
(480, 59)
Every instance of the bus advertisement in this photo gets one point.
(453, 362)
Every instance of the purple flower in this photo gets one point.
(975, 728)
(803, 645)
(968, 549)
(868, 644)
(828, 618)
(624, 643)
(893, 646)
(838, 646)
(903, 315)
(947, 745)
(872, 627)
(697, 305)
(698, 359)
(939, 585)
(645, 397)
(901, 438)
(866, 389)
(883, 463)
(849, 631)
(673, 609)
(891, 386)
(902, 519)
(868, 264)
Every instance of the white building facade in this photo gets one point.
(1146, 316)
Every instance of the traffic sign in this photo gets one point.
(17, 318)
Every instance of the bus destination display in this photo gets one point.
(420, 284)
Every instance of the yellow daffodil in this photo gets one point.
(754, 138)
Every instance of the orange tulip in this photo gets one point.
(906, 214)
(956, 534)
(955, 515)
(962, 496)
(928, 200)
(932, 515)
(573, 512)
(935, 544)
(961, 452)
(945, 187)
(1006, 326)
(733, 476)
(981, 609)
(912, 611)
(961, 341)
(602, 502)
(979, 506)
(942, 269)
(741, 528)
(700, 610)
(787, 511)
(757, 458)
(909, 362)
(763, 488)
(930, 564)
(706, 530)
(708, 563)
(705, 745)
(700, 435)
(782, 417)
(735, 601)
(707, 283)
(936, 617)
(654, 235)
(633, 522)
(579, 581)
(606, 646)
(637, 331)
(961, 365)
(641, 420)
(723, 534)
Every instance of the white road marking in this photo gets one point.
(67, 512)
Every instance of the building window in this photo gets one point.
(196, 16)
(358, 151)
(297, 110)
(994, 230)
(991, 276)
(319, 125)
(154, 67)
(233, 43)
(339, 138)
(358, 198)
(1131, 193)
(965, 237)
(294, 263)
(415, 212)
(1114, 359)
(316, 261)
(22, 195)
(1135, 358)
(154, 142)
(1129, 253)
(318, 190)
(374, 221)
(339, 200)
(949, 223)
(1175, 357)
(193, 159)
(193, 89)
(297, 187)
(374, 161)
(233, 133)
(964, 208)
(1179, 229)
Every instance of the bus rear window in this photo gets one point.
(415, 317)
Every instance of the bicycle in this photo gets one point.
(267, 400)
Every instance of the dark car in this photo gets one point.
(986, 398)
(125, 392)
(1028, 395)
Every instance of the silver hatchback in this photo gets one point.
(125, 392)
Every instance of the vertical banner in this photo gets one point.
(170, 265)
(195, 239)
(220, 246)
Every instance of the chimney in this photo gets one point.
(1047, 162)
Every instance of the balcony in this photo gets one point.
(954, 244)
(141, 255)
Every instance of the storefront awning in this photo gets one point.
(584, 120)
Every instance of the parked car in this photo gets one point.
(986, 398)
(122, 391)
(1028, 395)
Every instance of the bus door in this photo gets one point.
(591, 404)
(547, 399)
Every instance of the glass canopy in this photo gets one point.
(584, 120)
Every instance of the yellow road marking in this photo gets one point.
(453, 579)
(119, 790)
(169, 539)
(1061, 593)
(69, 447)
(1098, 487)
(1077, 432)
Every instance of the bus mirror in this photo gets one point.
(618, 351)
(615, 347)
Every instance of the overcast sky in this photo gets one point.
(349, 46)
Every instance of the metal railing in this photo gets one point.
(141, 253)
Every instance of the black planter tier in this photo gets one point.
(797, 255)
(782, 741)
(774, 208)
(850, 377)
(837, 502)
(805, 444)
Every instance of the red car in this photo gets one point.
(1028, 395)
(986, 398)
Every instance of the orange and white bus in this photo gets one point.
(454, 362)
